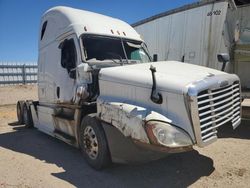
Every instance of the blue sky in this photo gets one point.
(20, 19)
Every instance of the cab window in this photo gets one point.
(69, 56)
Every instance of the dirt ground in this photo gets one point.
(10, 94)
(29, 158)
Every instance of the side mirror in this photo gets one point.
(155, 58)
(84, 73)
(223, 58)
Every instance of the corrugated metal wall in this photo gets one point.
(194, 35)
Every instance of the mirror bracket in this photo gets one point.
(155, 58)
(223, 58)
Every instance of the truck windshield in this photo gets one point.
(104, 49)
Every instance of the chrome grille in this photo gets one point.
(217, 107)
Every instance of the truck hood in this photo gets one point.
(171, 76)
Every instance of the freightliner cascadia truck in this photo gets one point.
(100, 91)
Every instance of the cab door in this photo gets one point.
(66, 74)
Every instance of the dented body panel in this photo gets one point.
(128, 119)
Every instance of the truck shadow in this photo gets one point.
(179, 170)
(241, 132)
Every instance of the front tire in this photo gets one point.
(93, 143)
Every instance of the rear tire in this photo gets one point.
(93, 143)
(27, 117)
(19, 111)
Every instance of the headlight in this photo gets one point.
(161, 133)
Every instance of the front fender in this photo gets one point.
(129, 119)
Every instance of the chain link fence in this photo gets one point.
(18, 73)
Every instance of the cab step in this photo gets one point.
(65, 137)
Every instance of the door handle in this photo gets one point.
(58, 92)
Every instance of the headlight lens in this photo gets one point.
(165, 134)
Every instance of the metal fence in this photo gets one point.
(18, 73)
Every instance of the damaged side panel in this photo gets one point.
(125, 117)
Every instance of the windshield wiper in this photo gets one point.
(117, 55)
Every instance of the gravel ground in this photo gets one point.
(29, 158)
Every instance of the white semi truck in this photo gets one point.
(100, 91)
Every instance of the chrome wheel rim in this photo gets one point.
(90, 142)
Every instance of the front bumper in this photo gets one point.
(127, 150)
